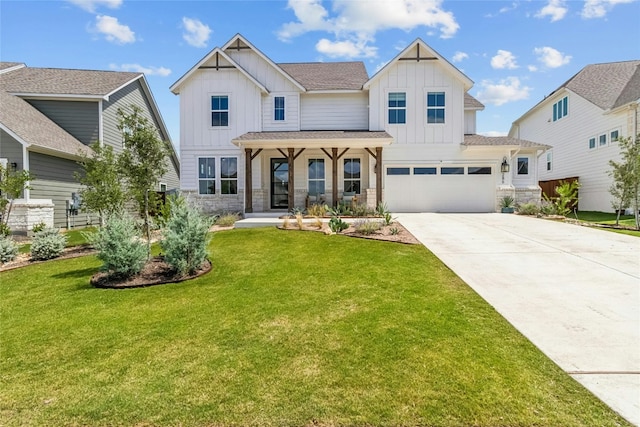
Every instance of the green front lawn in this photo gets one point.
(289, 328)
(607, 218)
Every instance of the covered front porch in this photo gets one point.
(286, 170)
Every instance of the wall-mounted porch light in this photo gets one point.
(504, 167)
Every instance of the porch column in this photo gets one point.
(378, 175)
(334, 176)
(291, 190)
(248, 182)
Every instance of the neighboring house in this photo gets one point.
(257, 136)
(582, 120)
(49, 116)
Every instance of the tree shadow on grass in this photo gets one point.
(76, 274)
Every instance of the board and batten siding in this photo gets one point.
(54, 180)
(10, 149)
(334, 111)
(571, 156)
(416, 79)
(79, 118)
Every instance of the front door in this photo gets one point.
(279, 184)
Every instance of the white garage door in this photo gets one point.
(440, 188)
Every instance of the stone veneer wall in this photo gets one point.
(503, 191)
(530, 194)
(27, 213)
(217, 203)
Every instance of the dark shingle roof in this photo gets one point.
(480, 140)
(608, 85)
(33, 127)
(328, 75)
(54, 81)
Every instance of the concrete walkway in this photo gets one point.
(573, 291)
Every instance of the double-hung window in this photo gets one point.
(602, 140)
(397, 106)
(435, 107)
(549, 161)
(219, 110)
(560, 109)
(229, 175)
(352, 175)
(278, 108)
(316, 176)
(207, 175)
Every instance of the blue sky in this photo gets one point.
(516, 52)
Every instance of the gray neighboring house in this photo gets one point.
(49, 116)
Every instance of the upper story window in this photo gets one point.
(207, 175)
(397, 106)
(523, 166)
(615, 134)
(278, 108)
(560, 109)
(435, 107)
(219, 110)
(602, 140)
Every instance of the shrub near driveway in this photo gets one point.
(287, 329)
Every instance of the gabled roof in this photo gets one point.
(609, 85)
(26, 81)
(470, 103)
(328, 75)
(424, 53)
(32, 128)
(240, 43)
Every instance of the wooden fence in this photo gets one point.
(549, 188)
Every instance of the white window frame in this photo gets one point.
(214, 178)
(549, 161)
(162, 184)
(211, 110)
(443, 108)
(611, 137)
(275, 109)
(221, 179)
(309, 179)
(603, 142)
(595, 143)
(528, 162)
(388, 109)
(359, 159)
(560, 108)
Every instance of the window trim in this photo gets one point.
(600, 140)
(324, 180)
(595, 143)
(528, 172)
(276, 109)
(396, 108)
(617, 137)
(211, 110)
(200, 179)
(561, 108)
(221, 179)
(359, 179)
(549, 161)
(436, 107)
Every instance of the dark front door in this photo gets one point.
(279, 184)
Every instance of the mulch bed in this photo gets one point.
(155, 272)
(402, 235)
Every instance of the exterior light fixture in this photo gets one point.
(504, 167)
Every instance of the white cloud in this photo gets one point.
(599, 8)
(196, 33)
(504, 59)
(550, 57)
(92, 5)
(149, 71)
(357, 22)
(460, 56)
(113, 30)
(504, 91)
(345, 49)
(556, 9)
(532, 68)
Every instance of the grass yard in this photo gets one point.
(289, 328)
(609, 219)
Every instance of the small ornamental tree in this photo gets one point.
(143, 161)
(186, 237)
(103, 191)
(12, 184)
(626, 176)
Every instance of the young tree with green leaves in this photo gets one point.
(626, 175)
(12, 184)
(103, 191)
(143, 160)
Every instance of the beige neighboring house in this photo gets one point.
(582, 120)
(260, 136)
(49, 116)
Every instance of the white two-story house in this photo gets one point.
(257, 136)
(582, 121)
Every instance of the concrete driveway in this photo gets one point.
(573, 291)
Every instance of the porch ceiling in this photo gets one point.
(314, 139)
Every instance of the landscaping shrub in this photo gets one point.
(366, 226)
(336, 224)
(4, 230)
(361, 209)
(8, 249)
(48, 244)
(529, 209)
(39, 227)
(120, 247)
(227, 219)
(317, 210)
(186, 238)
